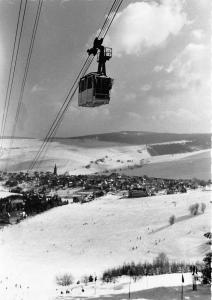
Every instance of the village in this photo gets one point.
(25, 194)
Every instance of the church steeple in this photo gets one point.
(55, 170)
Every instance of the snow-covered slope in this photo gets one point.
(89, 238)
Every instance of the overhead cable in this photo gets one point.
(20, 100)
(11, 77)
(56, 123)
(10, 71)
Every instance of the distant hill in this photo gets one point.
(116, 151)
(18, 137)
(193, 141)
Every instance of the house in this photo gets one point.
(12, 207)
(136, 193)
(83, 197)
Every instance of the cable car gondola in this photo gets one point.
(95, 87)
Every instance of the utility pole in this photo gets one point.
(129, 285)
(182, 297)
(95, 279)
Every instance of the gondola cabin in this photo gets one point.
(94, 90)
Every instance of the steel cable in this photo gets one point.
(20, 100)
(10, 71)
(52, 131)
(4, 121)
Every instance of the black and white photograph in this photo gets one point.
(105, 150)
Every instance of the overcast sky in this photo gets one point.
(160, 65)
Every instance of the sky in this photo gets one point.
(161, 66)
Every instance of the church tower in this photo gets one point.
(55, 170)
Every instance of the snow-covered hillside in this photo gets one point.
(89, 238)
